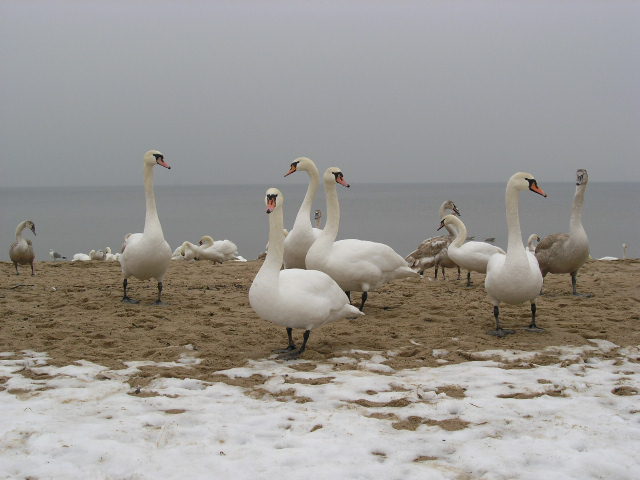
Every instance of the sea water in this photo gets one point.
(78, 219)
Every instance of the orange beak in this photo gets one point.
(291, 170)
(342, 182)
(271, 205)
(162, 163)
(536, 189)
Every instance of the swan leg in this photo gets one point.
(364, 299)
(499, 331)
(16, 265)
(291, 346)
(443, 277)
(158, 301)
(574, 282)
(435, 275)
(125, 298)
(469, 282)
(533, 327)
(458, 274)
(296, 353)
(33, 272)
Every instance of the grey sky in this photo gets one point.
(232, 91)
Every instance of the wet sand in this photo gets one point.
(73, 312)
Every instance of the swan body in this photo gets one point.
(356, 265)
(434, 251)
(97, 255)
(146, 255)
(80, 257)
(226, 249)
(303, 234)
(472, 256)
(294, 298)
(110, 257)
(567, 252)
(515, 277)
(21, 251)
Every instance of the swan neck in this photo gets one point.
(332, 225)
(151, 221)
(19, 229)
(460, 231)
(515, 247)
(275, 252)
(442, 212)
(575, 224)
(304, 213)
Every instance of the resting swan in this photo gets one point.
(294, 298)
(302, 235)
(433, 251)
(515, 277)
(219, 251)
(567, 252)
(355, 265)
(472, 256)
(21, 251)
(146, 255)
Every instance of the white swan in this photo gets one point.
(567, 252)
(81, 257)
(226, 249)
(433, 251)
(21, 251)
(532, 242)
(110, 257)
(294, 298)
(146, 255)
(303, 234)
(515, 277)
(97, 255)
(472, 256)
(356, 265)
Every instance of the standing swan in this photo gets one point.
(146, 255)
(21, 251)
(433, 251)
(355, 265)
(294, 298)
(302, 235)
(567, 252)
(515, 277)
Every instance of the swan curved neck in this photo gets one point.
(21, 226)
(515, 247)
(460, 232)
(575, 223)
(442, 212)
(304, 213)
(151, 221)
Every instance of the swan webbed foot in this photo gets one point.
(294, 354)
(129, 300)
(501, 332)
(534, 328)
(285, 350)
(583, 295)
(158, 302)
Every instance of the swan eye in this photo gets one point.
(295, 164)
(338, 175)
(272, 196)
(158, 156)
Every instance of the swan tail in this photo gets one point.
(352, 312)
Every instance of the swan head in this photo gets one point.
(301, 163)
(582, 177)
(30, 225)
(449, 205)
(205, 240)
(335, 174)
(448, 220)
(525, 181)
(107, 250)
(153, 157)
(273, 199)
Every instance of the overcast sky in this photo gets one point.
(233, 91)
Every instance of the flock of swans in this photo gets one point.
(307, 276)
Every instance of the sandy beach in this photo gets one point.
(72, 311)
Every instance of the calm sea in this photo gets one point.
(79, 219)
